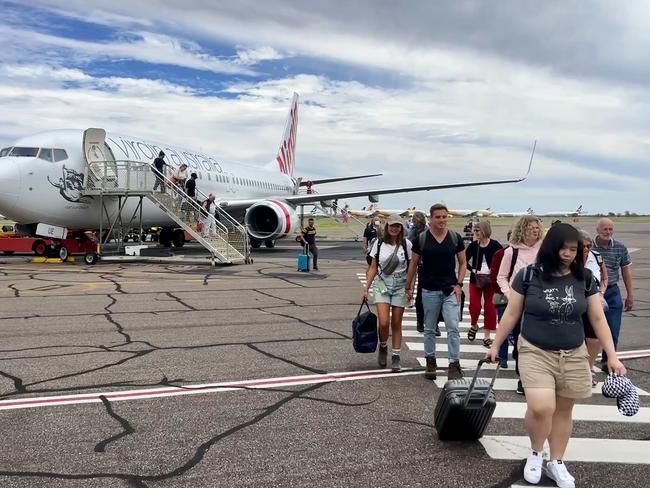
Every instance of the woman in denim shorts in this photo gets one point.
(551, 297)
(387, 276)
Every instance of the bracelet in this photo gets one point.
(459, 284)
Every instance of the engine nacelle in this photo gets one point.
(270, 219)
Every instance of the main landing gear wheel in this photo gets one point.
(178, 238)
(270, 243)
(255, 244)
(91, 258)
(165, 237)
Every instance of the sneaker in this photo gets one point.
(438, 333)
(315, 268)
(430, 373)
(533, 468)
(556, 470)
(396, 367)
(454, 372)
(382, 357)
(503, 363)
(520, 388)
(420, 327)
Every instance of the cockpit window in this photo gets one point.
(60, 154)
(25, 152)
(4, 151)
(46, 154)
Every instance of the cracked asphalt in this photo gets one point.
(74, 329)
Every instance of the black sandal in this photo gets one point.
(471, 333)
(487, 343)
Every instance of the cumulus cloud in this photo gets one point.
(421, 92)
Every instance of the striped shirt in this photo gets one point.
(616, 256)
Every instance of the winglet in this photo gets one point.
(530, 164)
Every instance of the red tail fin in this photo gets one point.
(286, 157)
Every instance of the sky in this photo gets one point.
(422, 92)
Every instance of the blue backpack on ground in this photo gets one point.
(303, 259)
(364, 330)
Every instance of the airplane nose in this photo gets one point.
(9, 185)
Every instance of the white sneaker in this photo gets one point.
(533, 468)
(556, 470)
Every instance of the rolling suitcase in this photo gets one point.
(303, 260)
(465, 407)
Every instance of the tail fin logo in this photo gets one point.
(287, 152)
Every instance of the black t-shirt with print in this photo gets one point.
(438, 260)
(553, 309)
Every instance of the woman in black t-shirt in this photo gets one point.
(550, 298)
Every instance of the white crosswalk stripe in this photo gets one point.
(579, 449)
(510, 384)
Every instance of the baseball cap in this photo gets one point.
(394, 219)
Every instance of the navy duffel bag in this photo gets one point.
(364, 330)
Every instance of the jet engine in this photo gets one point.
(270, 219)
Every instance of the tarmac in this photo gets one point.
(185, 375)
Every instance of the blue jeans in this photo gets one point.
(503, 350)
(432, 301)
(614, 315)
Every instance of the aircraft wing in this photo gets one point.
(304, 182)
(319, 197)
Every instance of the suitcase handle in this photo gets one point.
(471, 385)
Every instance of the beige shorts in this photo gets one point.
(565, 371)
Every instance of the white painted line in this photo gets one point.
(579, 449)
(468, 365)
(442, 347)
(170, 391)
(510, 384)
(634, 249)
(412, 315)
(415, 333)
(413, 323)
(591, 413)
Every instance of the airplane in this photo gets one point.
(365, 212)
(480, 212)
(372, 212)
(564, 213)
(529, 211)
(42, 181)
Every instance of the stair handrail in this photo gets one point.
(232, 221)
(99, 183)
(185, 198)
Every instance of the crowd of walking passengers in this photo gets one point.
(553, 295)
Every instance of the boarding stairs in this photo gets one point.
(124, 178)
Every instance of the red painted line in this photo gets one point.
(191, 389)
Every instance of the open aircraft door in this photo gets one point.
(99, 157)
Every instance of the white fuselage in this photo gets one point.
(35, 190)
